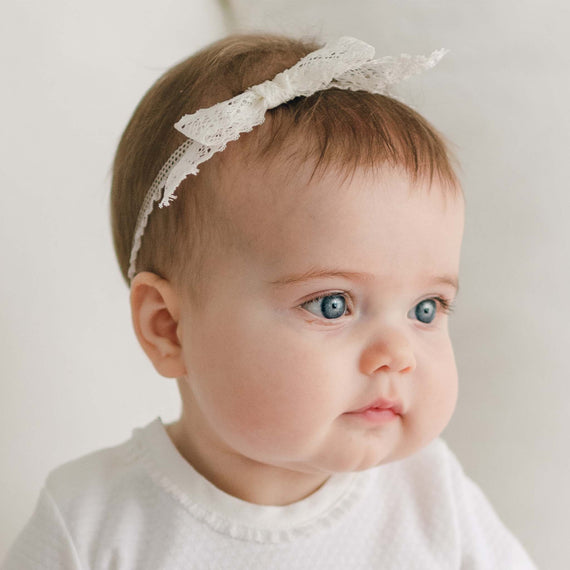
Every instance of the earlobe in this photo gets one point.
(155, 310)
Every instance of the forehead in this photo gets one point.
(375, 221)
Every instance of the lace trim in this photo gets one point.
(344, 64)
(221, 512)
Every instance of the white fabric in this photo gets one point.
(344, 64)
(140, 506)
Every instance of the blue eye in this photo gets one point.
(425, 311)
(329, 307)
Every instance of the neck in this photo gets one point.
(240, 476)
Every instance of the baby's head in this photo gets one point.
(298, 288)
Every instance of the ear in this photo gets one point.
(155, 310)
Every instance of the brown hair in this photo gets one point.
(346, 129)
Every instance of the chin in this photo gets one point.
(360, 461)
(397, 454)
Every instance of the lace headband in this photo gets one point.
(344, 64)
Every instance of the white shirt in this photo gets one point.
(141, 506)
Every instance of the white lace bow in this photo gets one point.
(344, 64)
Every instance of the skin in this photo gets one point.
(266, 380)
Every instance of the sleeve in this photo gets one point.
(44, 543)
(486, 544)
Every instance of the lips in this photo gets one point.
(379, 405)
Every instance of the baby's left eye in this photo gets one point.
(426, 310)
(329, 306)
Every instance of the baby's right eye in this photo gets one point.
(328, 306)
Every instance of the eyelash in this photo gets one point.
(447, 306)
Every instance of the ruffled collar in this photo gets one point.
(237, 518)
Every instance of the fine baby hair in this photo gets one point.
(347, 126)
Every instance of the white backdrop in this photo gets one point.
(73, 378)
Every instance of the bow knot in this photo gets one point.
(276, 91)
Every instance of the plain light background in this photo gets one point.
(73, 378)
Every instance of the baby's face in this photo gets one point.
(327, 303)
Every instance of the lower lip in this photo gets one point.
(375, 415)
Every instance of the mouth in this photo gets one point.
(378, 411)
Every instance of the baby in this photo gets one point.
(299, 290)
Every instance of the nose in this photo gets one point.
(390, 351)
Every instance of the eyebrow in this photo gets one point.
(354, 275)
(447, 280)
(320, 274)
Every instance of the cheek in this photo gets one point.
(445, 398)
(449, 388)
(273, 386)
(434, 393)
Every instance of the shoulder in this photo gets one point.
(102, 468)
(425, 489)
(99, 483)
(436, 477)
(439, 496)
